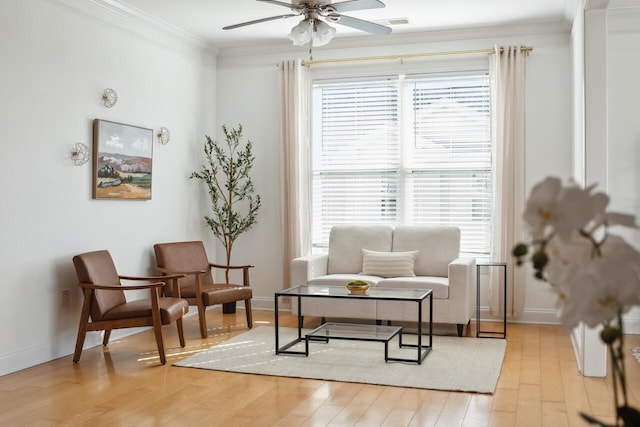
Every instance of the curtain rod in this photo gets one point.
(525, 49)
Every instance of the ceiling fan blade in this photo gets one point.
(257, 21)
(349, 5)
(359, 24)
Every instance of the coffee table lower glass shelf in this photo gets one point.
(354, 332)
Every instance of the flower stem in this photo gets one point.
(622, 369)
(616, 353)
(614, 378)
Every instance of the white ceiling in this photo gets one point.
(204, 19)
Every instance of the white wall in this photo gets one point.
(250, 96)
(57, 56)
(251, 78)
(623, 69)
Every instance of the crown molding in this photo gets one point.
(134, 21)
(571, 9)
(141, 17)
(418, 38)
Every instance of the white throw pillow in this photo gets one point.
(388, 264)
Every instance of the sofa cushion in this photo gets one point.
(439, 285)
(388, 264)
(347, 241)
(436, 246)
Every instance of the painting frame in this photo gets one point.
(122, 161)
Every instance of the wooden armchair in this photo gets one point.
(105, 302)
(198, 287)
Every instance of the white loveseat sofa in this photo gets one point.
(429, 259)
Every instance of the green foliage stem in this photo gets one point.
(234, 205)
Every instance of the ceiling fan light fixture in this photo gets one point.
(323, 33)
(301, 33)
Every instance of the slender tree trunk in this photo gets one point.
(229, 246)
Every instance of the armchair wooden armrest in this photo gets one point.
(154, 278)
(245, 271)
(163, 279)
(153, 288)
(121, 287)
(230, 267)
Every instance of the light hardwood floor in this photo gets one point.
(124, 385)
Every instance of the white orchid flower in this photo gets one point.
(541, 206)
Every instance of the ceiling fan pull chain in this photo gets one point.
(312, 25)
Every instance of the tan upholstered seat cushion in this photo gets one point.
(219, 293)
(170, 310)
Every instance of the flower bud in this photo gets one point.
(609, 334)
(520, 250)
(539, 260)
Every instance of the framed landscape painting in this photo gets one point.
(122, 160)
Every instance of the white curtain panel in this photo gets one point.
(508, 79)
(295, 160)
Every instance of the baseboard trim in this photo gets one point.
(537, 316)
(267, 303)
(631, 325)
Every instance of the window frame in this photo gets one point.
(482, 70)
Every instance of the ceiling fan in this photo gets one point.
(312, 28)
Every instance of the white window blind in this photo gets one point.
(403, 150)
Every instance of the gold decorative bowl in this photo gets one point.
(358, 288)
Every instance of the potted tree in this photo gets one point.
(234, 204)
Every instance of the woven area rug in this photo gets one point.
(454, 364)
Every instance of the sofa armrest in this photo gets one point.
(462, 290)
(305, 268)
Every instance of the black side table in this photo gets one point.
(491, 334)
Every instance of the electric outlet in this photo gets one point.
(65, 297)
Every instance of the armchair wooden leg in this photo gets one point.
(82, 327)
(157, 324)
(202, 315)
(157, 328)
(247, 309)
(180, 332)
(107, 335)
(82, 332)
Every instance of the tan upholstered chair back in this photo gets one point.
(183, 257)
(97, 268)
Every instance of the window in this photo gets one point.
(403, 150)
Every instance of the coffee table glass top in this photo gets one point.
(343, 292)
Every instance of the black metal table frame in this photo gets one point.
(491, 334)
(422, 350)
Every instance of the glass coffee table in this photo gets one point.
(361, 332)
